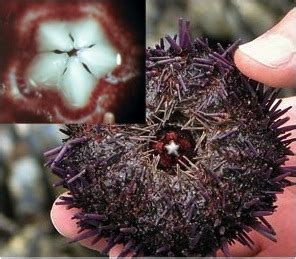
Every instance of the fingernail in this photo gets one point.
(272, 50)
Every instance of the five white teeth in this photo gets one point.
(72, 57)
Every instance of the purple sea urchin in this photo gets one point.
(203, 172)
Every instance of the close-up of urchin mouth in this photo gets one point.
(72, 61)
(203, 172)
(72, 57)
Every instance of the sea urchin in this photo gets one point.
(203, 172)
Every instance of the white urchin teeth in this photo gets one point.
(172, 148)
(72, 57)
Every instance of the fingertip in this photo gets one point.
(61, 218)
(283, 76)
(271, 58)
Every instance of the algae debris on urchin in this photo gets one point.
(203, 172)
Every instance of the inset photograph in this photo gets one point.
(72, 61)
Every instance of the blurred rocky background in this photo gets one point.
(222, 21)
(26, 194)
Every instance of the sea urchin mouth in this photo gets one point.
(69, 61)
(72, 57)
(203, 172)
(172, 145)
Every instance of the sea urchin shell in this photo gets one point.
(203, 172)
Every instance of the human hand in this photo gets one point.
(271, 58)
(276, 68)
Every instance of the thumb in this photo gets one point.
(271, 58)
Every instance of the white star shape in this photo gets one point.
(172, 148)
(71, 58)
